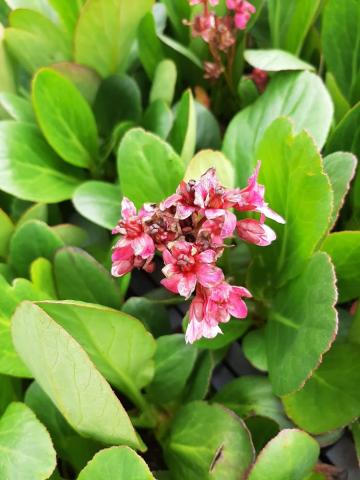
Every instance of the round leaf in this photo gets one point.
(254, 348)
(274, 60)
(207, 159)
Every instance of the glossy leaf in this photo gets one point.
(341, 105)
(38, 211)
(117, 463)
(6, 231)
(16, 107)
(151, 51)
(301, 96)
(291, 357)
(71, 235)
(117, 343)
(291, 454)
(119, 19)
(11, 391)
(80, 277)
(207, 441)
(42, 276)
(199, 383)
(183, 133)
(32, 240)
(144, 159)
(177, 12)
(343, 18)
(154, 316)
(206, 159)
(22, 437)
(7, 80)
(158, 118)
(85, 399)
(29, 169)
(290, 21)
(65, 118)
(332, 388)
(35, 40)
(254, 348)
(174, 361)
(163, 87)
(344, 250)
(67, 13)
(275, 60)
(208, 133)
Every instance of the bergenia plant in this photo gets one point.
(191, 229)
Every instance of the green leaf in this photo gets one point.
(85, 79)
(291, 454)
(119, 19)
(35, 40)
(251, 395)
(42, 276)
(116, 463)
(232, 330)
(275, 60)
(183, 133)
(332, 389)
(208, 133)
(65, 118)
(118, 344)
(16, 107)
(343, 18)
(262, 430)
(198, 384)
(174, 361)
(29, 169)
(303, 309)
(68, 13)
(6, 231)
(10, 298)
(38, 211)
(208, 159)
(158, 118)
(163, 86)
(207, 441)
(301, 96)
(340, 168)
(32, 240)
(69, 445)
(298, 189)
(355, 430)
(151, 52)
(178, 12)
(344, 250)
(99, 202)
(154, 316)
(254, 348)
(71, 235)
(341, 105)
(118, 99)
(85, 399)
(80, 277)
(7, 81)
(144, 159)
(177, 51)
(11, 390)
(41, 6)
(290, 22)
(30, 454)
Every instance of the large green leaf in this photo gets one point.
(275, 60)
(32, 240)
(69, 445)
(27, 451)
(290, 21)
(35, 40)
(66, 374)
(68, 13)
(17, 107)
(251, 395)
(207, 441)
(174, 361)
(117, 343)
(11, 391)
(150, 50)
(208, 134)
(6, 231)
(206, 159)
(115, 23)
(299, 190)
(145, 159)
(153, 315)
(158, 118)
(302, 310)
(340, 168)
(178, 12)
(332, 389)
(29, 169)
(344, 250)
(116, 463)
(343, 18)
(7, 81)
(80, 277)
(65, 118)
(301, 96)
(10, 297)
(99, 202)
(183, 133)
(292, 454)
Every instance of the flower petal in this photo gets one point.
(187, 284)
(209, 275)
(127, 208)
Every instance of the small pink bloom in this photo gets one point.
(183, 200)
(243, 11)
(135, 246)
(260, 78)
(255, 232)
(185, 266)
(203, 26)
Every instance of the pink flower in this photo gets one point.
(251, 198)
(185, 265)
(135, 247)
(243, 11)
(213, 306)
(255, 232)
(260, 78)
(203, 26)
(183, 200)
(197, 2)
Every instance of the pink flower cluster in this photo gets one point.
(243, 11)
(189, 229)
